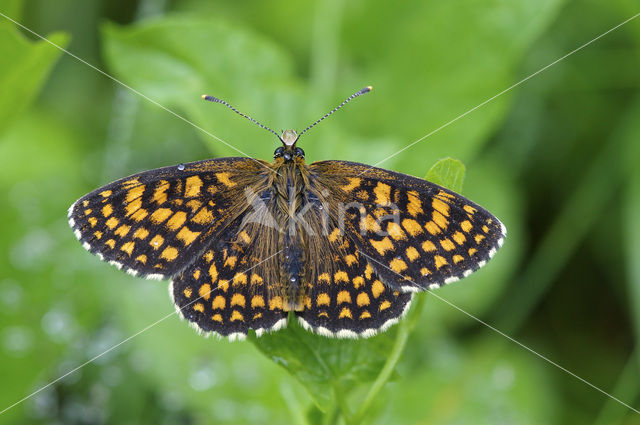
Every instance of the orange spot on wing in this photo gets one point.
(160, 215)
(159, 193)
(428, 246)
(156, 242)
(107, 210)
(204, 216)
(205, 291)
(362, 299)
(358, 281)
(128, 247)
(213, 272)
(412, 226)
(122, 230)
(441, 207)
(412, 254)
(135, 193)
(343, 297)
(192, 186)
(323, 299)
(354, 182)
(382, 246)
(383, 194)
(345, 312)
(415, 204)
(275, 303)
(257, 301)
(398, 265)
(240, 279)
(340, 276)
(324, 277)
(177, 220)
(238, 299)
(187, 236)
(170, 253)
(440, 261)
(395, 231)
(447, 245)
(139, 215)
(377, 288)
(112, 223)
(219, 303)
(440, 220)
(432, 228)
(459, 238)
(224, 178)
(141, 233)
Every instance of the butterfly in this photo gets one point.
(245, 243)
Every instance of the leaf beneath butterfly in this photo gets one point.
(448, 172)
(324, 365)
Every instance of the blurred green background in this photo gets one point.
(554, 158)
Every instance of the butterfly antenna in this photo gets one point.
(216, 100)
(356, 94)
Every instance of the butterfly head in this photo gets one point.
(289, 153)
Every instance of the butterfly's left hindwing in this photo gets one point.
(417, 235)
(229, 287)
(157, 222)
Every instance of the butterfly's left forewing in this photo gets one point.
(157, 222)
(417, 235)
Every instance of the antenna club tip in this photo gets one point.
(204, 96)
(364, 90)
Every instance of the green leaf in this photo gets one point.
(24, 66)
(11, 8)
(449, 173)
(210, 56)
(326, 367)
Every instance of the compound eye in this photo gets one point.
(278, 152)
(299, 152)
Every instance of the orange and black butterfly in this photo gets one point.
(341, 245)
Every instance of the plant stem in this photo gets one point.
(343, 408)
(404, 330)
(331, 417)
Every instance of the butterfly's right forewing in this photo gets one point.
(417, 235)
